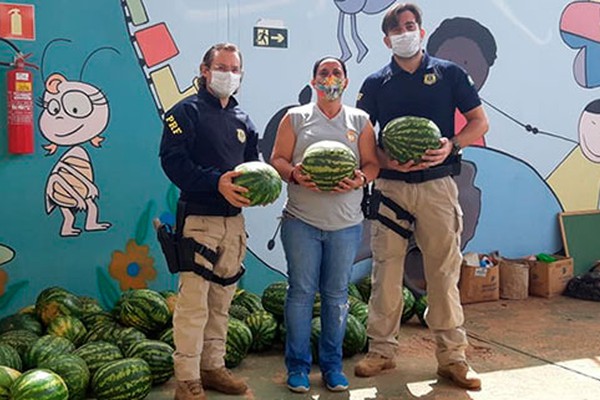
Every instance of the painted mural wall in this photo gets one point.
(77, 212)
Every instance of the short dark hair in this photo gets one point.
(390, 20)
(320, 60)
(209, 56)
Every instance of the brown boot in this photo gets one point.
(461, 374)
(373, 364)
(222, 380)
(189, 390)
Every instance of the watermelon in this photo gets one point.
(68, 327)
(171, 299)
(167, 337)
(96, 354)
(315, 335)
(408, 309)
(359, 310)
(158, 355)
(21, 321)
(262, 181)
(126, 379)
(9, 357)
(364, 288)
(143, 309)
(354, 292)
(355, 336)
(273, 298)
(263, 326)
(239, 340)
(47, 346)
(126, 337)
(249, 300)
(7, 377)
(420, 307)
(55, 301)
(239, 312)
(74, 372)
(39, 384)
(407, 138)
(328, 162)
(20, 339)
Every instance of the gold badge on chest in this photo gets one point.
(241, 135)
(351, 136)
(429, 79)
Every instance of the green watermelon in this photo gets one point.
(273, 298)
(126, 379)
(68, 327)
(97, 354)
(55, 301)
(263, 326)
(407, 138)
(364, 287)
(10, 357)
(262, 181)
(39, 384)
(409, 305)
(249, 300)
(167, 337)
(143, 309)
(126, 337)
(21, 321)
(20, 339)
(355, 336)
(7, 377)
(239, 312)
(46, 347)
(354, 292)
(328, 162)
(420, 307)
(158, 355)
(239, 340)
(359, 310)
(315, 334)
(74, 372)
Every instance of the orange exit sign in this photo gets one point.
(17, 21)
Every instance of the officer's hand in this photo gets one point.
(436, 157)
(303, 179)
(231, 191)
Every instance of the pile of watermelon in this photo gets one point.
(68, 347)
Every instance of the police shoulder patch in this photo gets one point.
(173, 125)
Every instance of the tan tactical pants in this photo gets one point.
(200, 318)
(438, 215)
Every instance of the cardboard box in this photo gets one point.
(514, 279)
(479, 284)
(550, 279)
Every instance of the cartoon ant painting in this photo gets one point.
(74, 112)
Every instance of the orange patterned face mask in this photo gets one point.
(332, 87)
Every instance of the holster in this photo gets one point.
(180, 251)
(372, 200)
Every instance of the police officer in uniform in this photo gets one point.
(205, 136)
(416, 84)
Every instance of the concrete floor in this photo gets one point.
(539, 349)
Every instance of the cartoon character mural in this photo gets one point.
(73, 113)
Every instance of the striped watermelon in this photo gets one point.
(263, 326)
(126, 379)
(126, 337)
(239, 312)
(158, 355)
(171, 299)
(7, 377)
(355, 336)
(407, 138)
(249, 300)
(9, 357)
(47, 346)
(74, 372)
(39, 384)
(364, 287)
(239, 340)
(167, 337)
(97, 354)
(68, 327)
(21, 321)
(143, 309)
(409, 305)
(273, 298)
(55, 301)
(359, 310)
(328, 162)
(21, 340)
(262, 181)
(354, 292)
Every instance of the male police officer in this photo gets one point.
(414, 83)
(205, 136)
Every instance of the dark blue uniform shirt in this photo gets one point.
(202, 140)
(433, 91)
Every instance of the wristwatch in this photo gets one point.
(456, 149)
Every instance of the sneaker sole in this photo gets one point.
(338, 388)
(298, 389)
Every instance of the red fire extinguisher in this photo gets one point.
(19, 82)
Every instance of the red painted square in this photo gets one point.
(17, 21)
(156, 44)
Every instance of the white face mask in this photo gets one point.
(224, 84)
(407, 44)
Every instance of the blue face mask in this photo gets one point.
(331, 87)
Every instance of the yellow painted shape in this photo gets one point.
(166, 88)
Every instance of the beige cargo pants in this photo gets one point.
(438, 215)
(201, 313)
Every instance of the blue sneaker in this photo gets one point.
(335, 381)
(298, 382)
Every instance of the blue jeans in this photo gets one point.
(317, 261)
